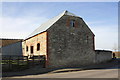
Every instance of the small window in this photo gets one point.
(38, 46)
(26, 48)
(87, 39)
(72, 23)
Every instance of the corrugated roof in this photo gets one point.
(49, 23)
(10, 39)
(5, 42)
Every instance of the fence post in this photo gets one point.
(44, 62)
(18, 61)
(33, 60)
(27, 62)
(9, 62)
(39, 60)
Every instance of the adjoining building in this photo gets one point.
(11, 47)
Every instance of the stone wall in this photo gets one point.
(40, 38)
(103, 56)
(70, 46)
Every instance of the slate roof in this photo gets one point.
(49, 23)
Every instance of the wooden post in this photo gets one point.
(18, 61)
(39, 59)
(33, 60)
(44, 62)
(9, 63)
(27, 62)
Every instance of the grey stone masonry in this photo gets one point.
(68, 45)
(102, 56)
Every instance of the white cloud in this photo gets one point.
(95, 22)
(14, 35)
(19, 27)
(106, 34)
(106, 37)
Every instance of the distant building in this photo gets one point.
(117, 54)
(11, 47)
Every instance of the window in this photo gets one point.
(38, 46)
(87, 38)
(31, 49)
(72, 23)
(26, 48)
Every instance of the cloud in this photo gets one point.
(14, 35)
(106, 36)
(19, 27)
(95, 22)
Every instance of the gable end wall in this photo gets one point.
(68, 46)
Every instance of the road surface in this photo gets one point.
(106, 70)
(98, 73)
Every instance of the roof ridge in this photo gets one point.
(49, 23)
(45, 25)
(70, 14)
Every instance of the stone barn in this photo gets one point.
(65, 41)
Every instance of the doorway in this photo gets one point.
(31, 49)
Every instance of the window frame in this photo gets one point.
(72, 23)
(87, 38)
(31, 49)
(38, 46)
(26, 48)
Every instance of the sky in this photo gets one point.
(19, 19)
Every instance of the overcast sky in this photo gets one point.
(19, 19)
